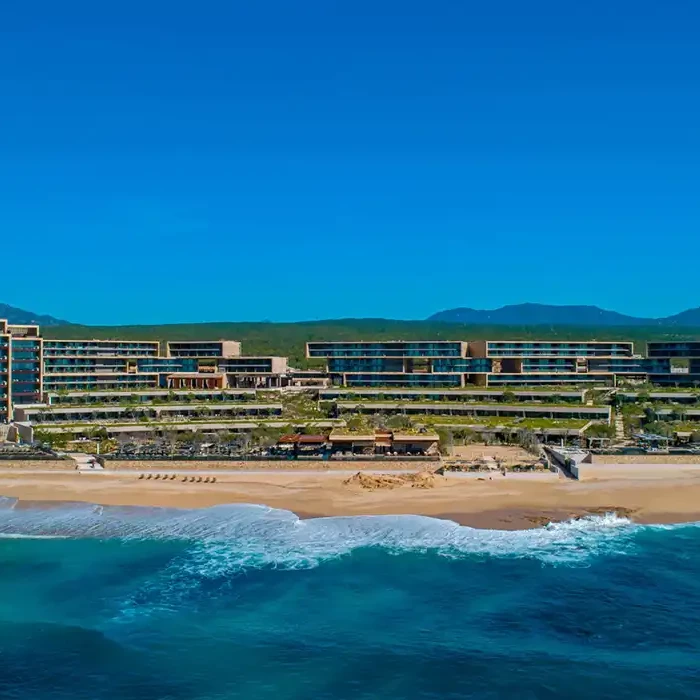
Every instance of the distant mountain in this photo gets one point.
(548, 315)
(688, 319)
(22, 317)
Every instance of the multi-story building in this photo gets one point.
(203, 348)
(91, 365)
(20, 366)
(32, 368)
(399, 363)
(5, 375)
(483, 363)
(519, 363)
(677, 362)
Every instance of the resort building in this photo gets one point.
(32, 369)
(20, 366)
(56, 415)
(678, 363)
(531, 363)
(39, 376)
(402, 363)
(475, 410)
(79, 398)
(448, 364)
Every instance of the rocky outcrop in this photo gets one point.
(373, 482)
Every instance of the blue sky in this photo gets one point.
(179, 161)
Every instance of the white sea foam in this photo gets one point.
(233, 537)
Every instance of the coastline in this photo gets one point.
(517, 501)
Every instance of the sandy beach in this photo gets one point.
(512, 502)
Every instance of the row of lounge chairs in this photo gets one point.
(172, 477)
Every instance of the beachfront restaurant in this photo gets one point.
(383, 442)
(296, 445)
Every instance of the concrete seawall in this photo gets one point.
(272, 465)
(37, 464)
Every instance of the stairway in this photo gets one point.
(85, 463)
(619, 426)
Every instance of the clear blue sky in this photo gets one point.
(182, 161)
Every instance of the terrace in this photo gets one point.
(555, 395)
(522, 410)
(42, 414)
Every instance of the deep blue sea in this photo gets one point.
(250, 602)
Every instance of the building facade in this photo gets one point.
(677, 363)
(32, 368)
(21, 373)
(503, 364)
(430, 364)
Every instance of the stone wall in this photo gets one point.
(646, 459)
(33, 464)
(278, 465)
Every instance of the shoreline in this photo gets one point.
(517, 501)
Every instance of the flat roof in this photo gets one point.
(415, 437)
(151, 392)
(302, 439)
(152, 427)
(481, 428)
(562, 342)
(662, 394)
(101, 340)
(475, 406)
(196, 375)
(455, 392)
(379, 342)
(124, 409)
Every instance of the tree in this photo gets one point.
(446, 441)
(527, 439)
(600, 430)
(355, 423)
(659, 428)
(508, 396)
(378, 421)
(399, 422)
(265, 436)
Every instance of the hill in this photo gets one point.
(550, 315)
(288, 339)
(22, 317)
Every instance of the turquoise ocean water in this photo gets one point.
(249, 602)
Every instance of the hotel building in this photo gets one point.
(34, 370)
(20, 366)
(677, 362)
(502, 364)
(429, 364)
(529, 363)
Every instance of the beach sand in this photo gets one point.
(512, 502)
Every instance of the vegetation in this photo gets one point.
(600, 430)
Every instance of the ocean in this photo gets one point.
(250, 602)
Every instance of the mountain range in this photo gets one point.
(29, 318)
(550, 315)
(522, 315)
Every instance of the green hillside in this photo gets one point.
(288, 339)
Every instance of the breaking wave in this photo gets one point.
(233, 537)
